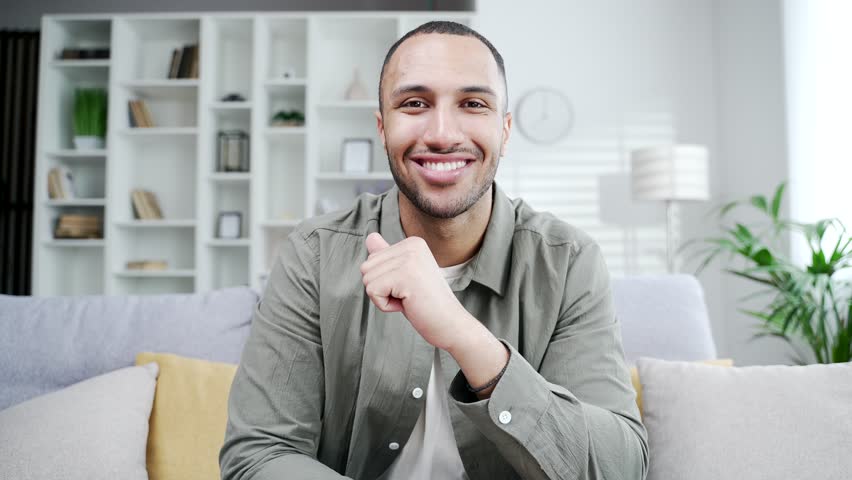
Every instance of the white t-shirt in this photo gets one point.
(431, 451)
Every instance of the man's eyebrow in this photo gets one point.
(479, 89)
(410, 89)
(405, 89)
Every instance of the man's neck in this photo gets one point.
(451, 240)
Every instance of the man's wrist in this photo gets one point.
(480, 355)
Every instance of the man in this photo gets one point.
(440, 330)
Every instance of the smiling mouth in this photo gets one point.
(442, 166)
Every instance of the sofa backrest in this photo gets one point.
(663, 316)
(48, 343)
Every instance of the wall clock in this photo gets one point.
(544, 115)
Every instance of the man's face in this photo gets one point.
(442, 121)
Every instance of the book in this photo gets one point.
(145, 205)
(153, 205)
(60, 183)
(147, 265)
(193, 69)
(175, 63)
(185, 58)
(146, 114)
(78, 226)
(138, 119)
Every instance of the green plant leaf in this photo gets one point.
(759, 202)
(776, 201)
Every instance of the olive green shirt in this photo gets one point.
(326, 384)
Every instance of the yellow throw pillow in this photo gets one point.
(187, 425)
(634, 376)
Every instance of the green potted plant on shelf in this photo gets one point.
(90, 116)
(291, 118)
(809, 302)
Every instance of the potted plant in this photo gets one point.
(809, 302)
(90, 114)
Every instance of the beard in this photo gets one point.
(455, 206)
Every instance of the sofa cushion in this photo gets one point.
(663, 316)
(47, 343)
(637, 384)
(95, 429)
(188, 418)
(708, 422)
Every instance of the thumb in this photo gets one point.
(375, 242)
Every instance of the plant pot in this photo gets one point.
(88, 142)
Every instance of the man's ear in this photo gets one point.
(380, 127)
(507, 130)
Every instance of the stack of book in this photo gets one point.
(145, 205)
(184, 62)
(60, 183)
(147, 265)
(140, 116)
(78, 226)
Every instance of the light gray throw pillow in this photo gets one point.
(765, 422)
(95, 429)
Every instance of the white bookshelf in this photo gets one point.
(292, 167)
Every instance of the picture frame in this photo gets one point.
(229, 225)
(356, 155)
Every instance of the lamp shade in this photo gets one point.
(670, 172)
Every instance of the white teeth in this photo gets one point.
(444, 166)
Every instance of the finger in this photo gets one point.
(380, 270)
(383, 289)
(375, 242)
(387, 304)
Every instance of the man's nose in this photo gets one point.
(443, 130)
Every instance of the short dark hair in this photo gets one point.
(447, 28)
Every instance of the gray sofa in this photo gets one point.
(52, 342)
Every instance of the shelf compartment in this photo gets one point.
(286, 40)
(347, 44)
(173, 88)
(233, 56)
(152, 40)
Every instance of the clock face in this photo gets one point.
(544, 115)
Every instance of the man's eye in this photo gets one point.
(474, 104)
(414, 104)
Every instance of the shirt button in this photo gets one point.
(417, 392)
(505, 417)
(394, 446)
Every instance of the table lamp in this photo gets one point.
(670, 173)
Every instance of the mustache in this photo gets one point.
(470, 151)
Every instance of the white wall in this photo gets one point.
(752, 143)
(642, 72)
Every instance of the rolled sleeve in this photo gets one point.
(575, 416)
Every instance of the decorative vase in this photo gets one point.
(356, 89)
(88, 142)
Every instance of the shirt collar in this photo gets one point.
(490, 266)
